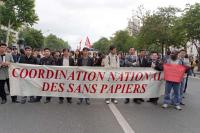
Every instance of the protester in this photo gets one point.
(46, 60)
(5, 60)
(85, 60)
(112, 61)
(121, 59)
(169, 85)
(156, 64)
(15, 55)
(28, 59)
(131, 60)
(65, 60)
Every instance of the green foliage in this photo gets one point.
(32, 37)
(55, 43)
(157, 29)
(17, 13)
(123, 41)
(102, 45)
(191, 21)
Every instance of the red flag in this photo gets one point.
(87, 43)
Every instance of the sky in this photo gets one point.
(74, 20)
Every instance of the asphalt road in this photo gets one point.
(99, 118)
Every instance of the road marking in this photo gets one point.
(121, 120)
(194, 77)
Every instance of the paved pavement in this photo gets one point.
(100, 118)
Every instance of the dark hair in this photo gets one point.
(9, 48)
(85, 48)
(182, 50)
(142, 50)
(46, 49)
(112, 47)
(2, 44)
(154, 52)
(65, 49)
(22, 51)
(28, 47)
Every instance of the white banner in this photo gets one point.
(84, 82)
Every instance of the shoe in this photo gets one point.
(87, 102)
(47, 101)
(137, 101)
(141, 100)
(182, 104)
(31, 101)
(79, 103)
(23, 101)
(126, 101)
(60, 102)
(178, 107)
(69, 101)
(149, 101)
(3, 101)
(15, 101)
(115, 101)
(107, 101)
(165, 106)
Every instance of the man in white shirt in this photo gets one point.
(112, 61)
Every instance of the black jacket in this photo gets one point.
(143, 62)
(89, 63)
(158, 64)
(26, 60)
(47, 61)
(60, 62)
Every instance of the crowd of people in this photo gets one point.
(113, 59)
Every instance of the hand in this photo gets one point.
(134, 64)
(5, 64)
(153, 65)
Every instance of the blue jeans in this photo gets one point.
(182, 88)
(176, 88)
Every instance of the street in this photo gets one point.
(102, 118)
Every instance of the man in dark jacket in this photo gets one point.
(85, 60)
(27, 59)
(65, 60)
(46, 60)
(157, 64)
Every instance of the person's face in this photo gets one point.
(85, 53)
(132, 51)
(142, 53)
(47, 53)
(66, 53)
(2, 49)
(15, 51)
(35, 54)
(57, 55)
(154, 56)
(182, 54)
(94, 55)
(114, 51)
(28, 52)
(8, 50)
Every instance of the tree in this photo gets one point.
(32, 37)
(15, 13)
(55, 43)
(102, 45)
(123, 41)
(156, 31)
(191, 24)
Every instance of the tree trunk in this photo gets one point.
(8, 33)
